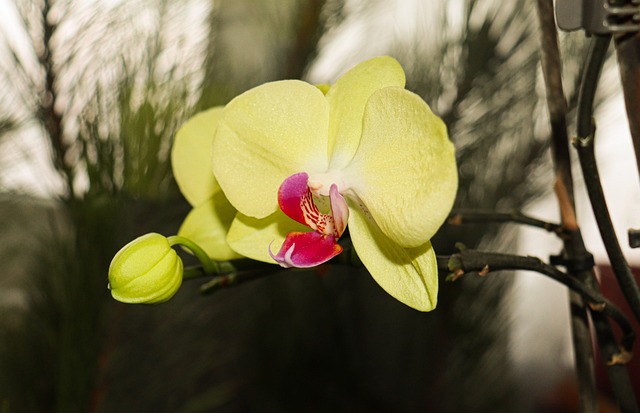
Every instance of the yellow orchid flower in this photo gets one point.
(364, 154)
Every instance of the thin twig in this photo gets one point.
(231, 273)
(234, 278)
(467, 216)
(236, 272)
(483, 263)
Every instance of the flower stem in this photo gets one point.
(209, 266)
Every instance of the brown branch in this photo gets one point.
(574, 247)
(557, 105)
(483, 263)
(234, 278)
(468, 216)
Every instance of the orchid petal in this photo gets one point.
(404, 170)
(347, 99)
(265, 135)
(251, 237)
(306, 249)
(408, 274)
(191, 156)
(207, 225)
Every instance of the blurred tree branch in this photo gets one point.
(51, 120)
(308, 31)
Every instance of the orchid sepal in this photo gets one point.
(191, 164)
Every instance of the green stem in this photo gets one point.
(224, 268)
(191, 273)
(210, 267)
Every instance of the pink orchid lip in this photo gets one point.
(308, 249)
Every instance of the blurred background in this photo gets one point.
(91, 95)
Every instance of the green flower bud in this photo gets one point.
(146, 270)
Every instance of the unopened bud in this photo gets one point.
(146, 270)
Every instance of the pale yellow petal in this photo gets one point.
(266, 135)
(207, 225)
(408, 274)
(404, 170)
(347, 100)
(252, 237)
(191, 156)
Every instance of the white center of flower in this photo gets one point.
(320, 183)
